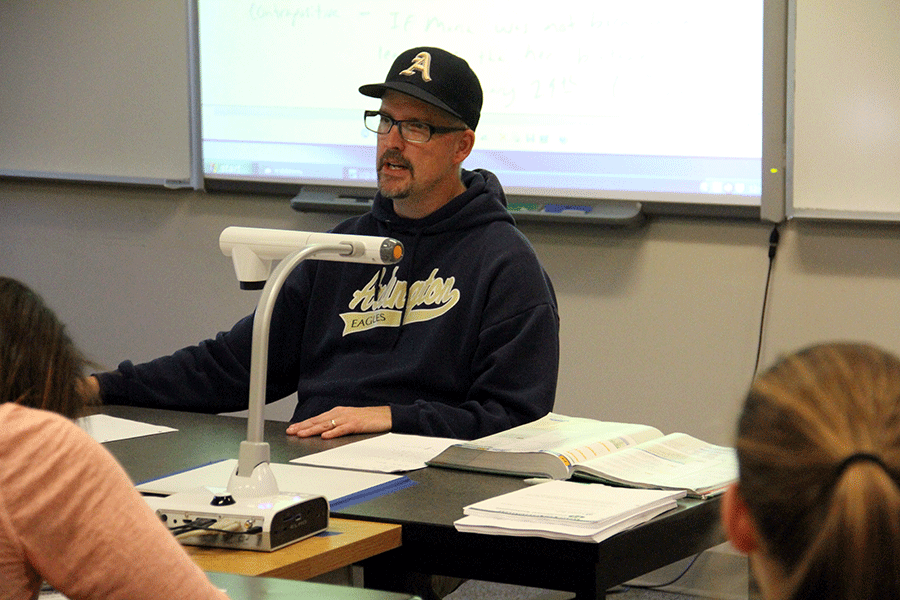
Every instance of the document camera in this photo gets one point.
(251, 512)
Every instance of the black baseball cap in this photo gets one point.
(437, 77)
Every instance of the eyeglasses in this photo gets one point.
(411, 131)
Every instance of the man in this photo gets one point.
(460, 339)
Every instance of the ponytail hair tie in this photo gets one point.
(860, 457)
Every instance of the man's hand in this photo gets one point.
(344, 420)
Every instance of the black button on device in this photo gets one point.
(225, 500)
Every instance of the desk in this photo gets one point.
(259, 588)
(343, 544)
(426, 512)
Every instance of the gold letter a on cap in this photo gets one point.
(421, 63)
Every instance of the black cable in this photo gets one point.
(774, 238)
(198, 525)
(773, 249)
(655, 586)
(181, 531)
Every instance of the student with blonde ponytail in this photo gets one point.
(817, 504)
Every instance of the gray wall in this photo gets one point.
(659, 324)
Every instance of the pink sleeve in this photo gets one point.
(80, 522)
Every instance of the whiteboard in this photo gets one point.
(98, 90)
(845, 123)
(106, 90)
(591, 100)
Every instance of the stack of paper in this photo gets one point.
(566, 510)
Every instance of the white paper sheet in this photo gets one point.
(104, 428)
(334, 484)
(388, 453)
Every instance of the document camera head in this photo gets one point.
(253, 250)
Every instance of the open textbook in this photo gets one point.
(561, 447)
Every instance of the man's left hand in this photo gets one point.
(344, 420)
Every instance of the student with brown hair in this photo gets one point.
(817, 504)
(69, 514)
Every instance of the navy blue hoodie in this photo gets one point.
(460, 338)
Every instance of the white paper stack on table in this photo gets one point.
(567, 510)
